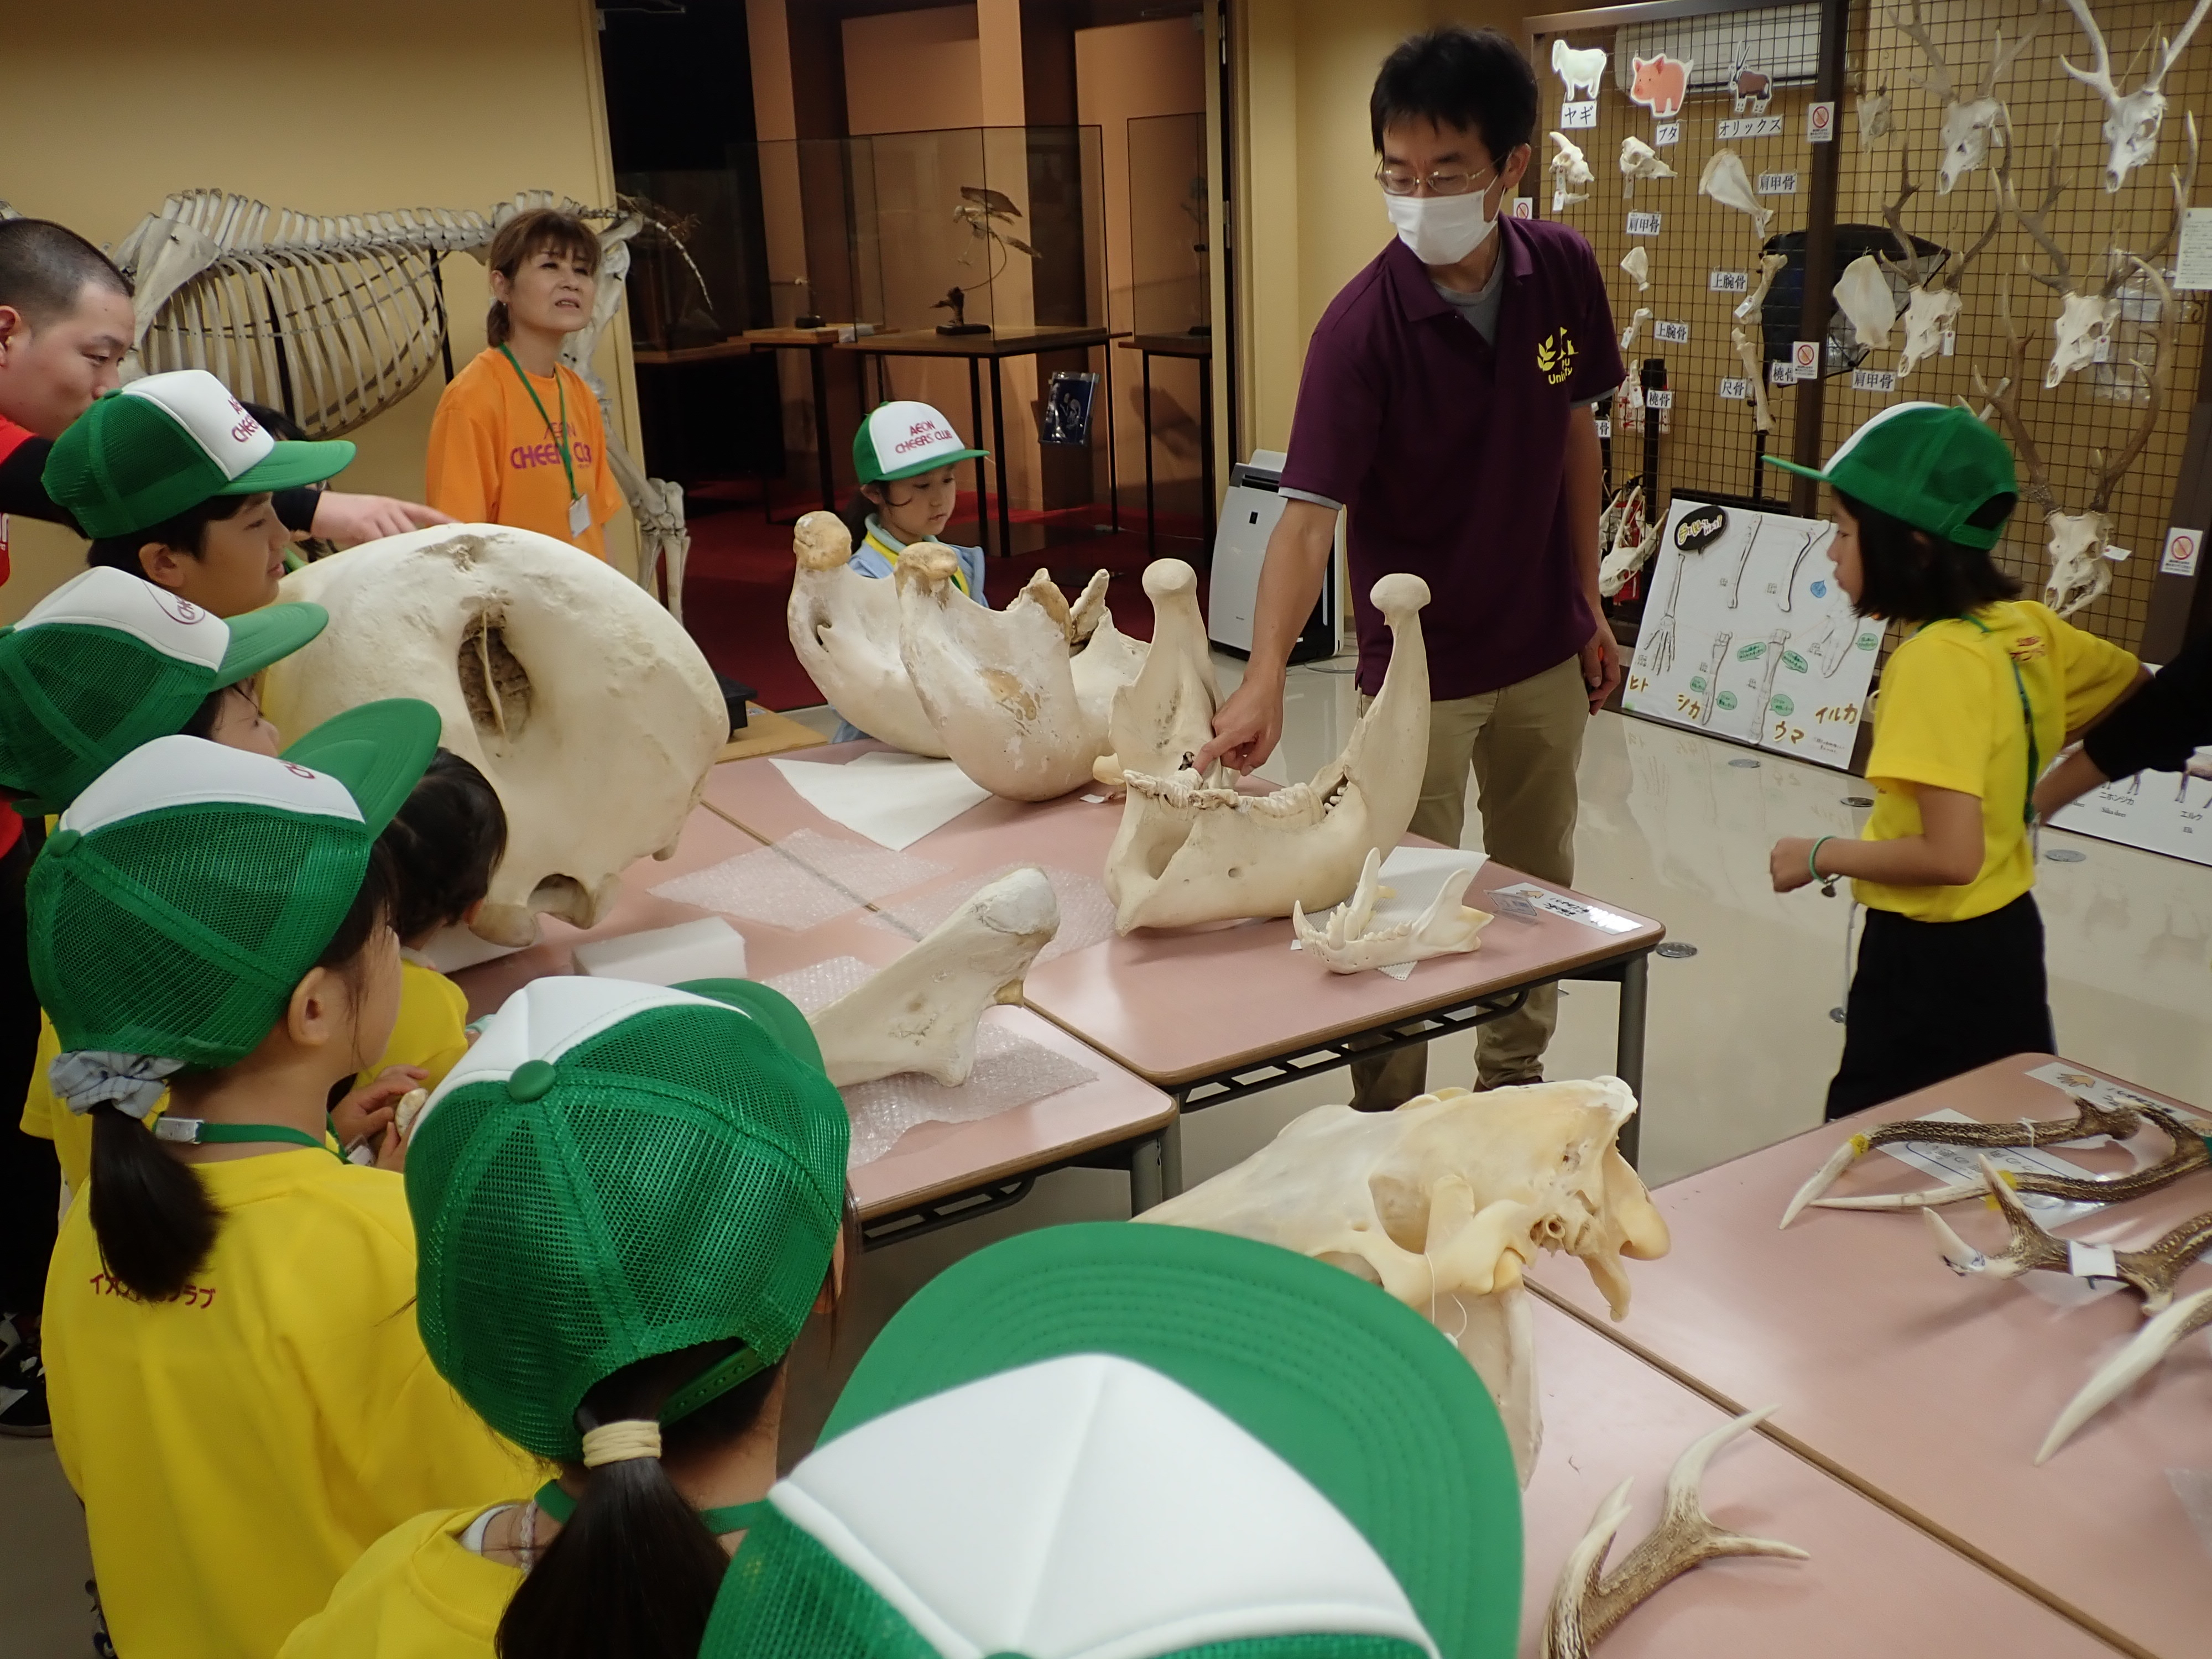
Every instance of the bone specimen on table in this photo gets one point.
(2189, 1154)
(1350, 943)
(2089, 1120)
(1588, 1602)
(1639, 161)
(919, 1013)
(2131, 119)
(585, 704)
(2128, 1366)
(1188, 851)
(1166, 715)
(1444, 1202)
(1638, 264)
(1968, 123)
(1578, 71)
(1771, 265)
(845, 629)
(1875, 116)
(1570, 173)
(1752, 355)
(1724, 179)
(1864, 294)
(1014, 710)
(2149, 1272)
(1627, 537)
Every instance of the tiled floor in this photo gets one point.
(1740, 1051)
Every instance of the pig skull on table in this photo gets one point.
(585, 704)
(1444, 1202)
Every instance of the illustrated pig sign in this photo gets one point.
(1662, 83)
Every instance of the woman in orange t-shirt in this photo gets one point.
(517, 439)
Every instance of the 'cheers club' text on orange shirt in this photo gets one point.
(494, 459)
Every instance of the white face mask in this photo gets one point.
(1441, 230)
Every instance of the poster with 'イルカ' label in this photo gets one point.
(1746, 636)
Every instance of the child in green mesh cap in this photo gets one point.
(628, 1200)
(1146, 1441)
(239, 1393)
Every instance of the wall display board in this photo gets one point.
(1746, 634)
(2168, 812)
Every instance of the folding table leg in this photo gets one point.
(1144, 1162)
(1628, 1046)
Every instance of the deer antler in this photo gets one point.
(2001, 183)
(2149, 1344)
(2034, 223)
(1937, 83)
(2099, 75)
(2001, 59)
(2183, 180)
(2004, 398)
(1892, 215)
(2156, 373)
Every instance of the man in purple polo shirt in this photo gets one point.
(1447, 403)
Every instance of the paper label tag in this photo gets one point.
(1662, 398)
(1750, 127)
(1665, 133)
(2193, 264)
(1956, 1163)
(2179, 559)
(2107, 1094)
(1777, 183)
(1672, 333)
(1559, 905)
(1583, 112)
(1728, 282)
(580, 516)
(1781, 374)
(1950, 341)
(1642, 224)
(1604, 426)
(2090, 1260)
(1874, 380)
(1820, 122)
(1735, 391)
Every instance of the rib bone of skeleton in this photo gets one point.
(1166, 715)
(1443, 1203)
(1187, 852)
(845, 629)
(1350, 943)
(1588, 1603)
(919, 1013)
(547, 666)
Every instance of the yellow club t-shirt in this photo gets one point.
(430, 1032)
(494, 459)
(238, 1447)
(418, 1593)
(1949, 717)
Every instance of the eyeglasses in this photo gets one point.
(1404, 181)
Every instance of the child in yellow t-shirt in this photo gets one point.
(517, 439)
(240, 1392)
(1973, 707)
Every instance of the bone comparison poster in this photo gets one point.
(2168, 812)
(1746, 636)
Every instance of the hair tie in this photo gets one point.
(133, 1084)
(619, 1442)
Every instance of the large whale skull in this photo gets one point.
(1444, 1203)
(845, 628)
(585, 703)
(1013, 708)
(1188, 851)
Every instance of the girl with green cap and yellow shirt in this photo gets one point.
(240, 1395)
(627, 1199)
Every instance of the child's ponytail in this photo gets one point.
(154, 1220)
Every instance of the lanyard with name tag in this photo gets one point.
(580, 510)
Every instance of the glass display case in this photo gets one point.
(1170, 260)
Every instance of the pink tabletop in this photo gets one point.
(1875, 1585)
(1932, 1392)
(1176, 1006)
(932, 1160)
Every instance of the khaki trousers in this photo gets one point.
(1523, 742)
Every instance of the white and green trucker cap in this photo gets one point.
(899, 439)
(1110, 1442)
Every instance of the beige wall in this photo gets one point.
(112, 104)
(910, 72)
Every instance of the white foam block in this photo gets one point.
(706, 949)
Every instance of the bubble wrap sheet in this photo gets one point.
(1010, 1071)
(800, 882)
(1086, 915)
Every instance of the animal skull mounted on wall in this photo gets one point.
(2131, 119)
(585, 703)
(1188, 851)
(845, 629)
(1444, 1202)
(1639, 161)
(1969, 123)
(1570, 173)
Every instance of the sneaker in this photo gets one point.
(23, 1412)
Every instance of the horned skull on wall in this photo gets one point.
(1969, 123)
(2131, 119)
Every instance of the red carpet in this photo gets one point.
(737, 582)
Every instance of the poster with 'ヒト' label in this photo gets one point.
(1746, 636)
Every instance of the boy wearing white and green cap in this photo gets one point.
(172, 476)
(1146, 1442)
(1973, 705)
(627, 1199)
(240, 1395)
(907, 456)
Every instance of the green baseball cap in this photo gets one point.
(615, 1171)
(164, 444)
(191, 886)
(106, 662)
(1147, 1441)
(1932, 465)
(899, 439)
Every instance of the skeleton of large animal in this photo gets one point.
(334, 320)
(1588, 1603)
(1969, 123)
(2188, 1154)
(1350, 943)
(2131, 119)
(1161, 719)
(845, 629)
(1444, 1202)
(1189, 852)
(587, 705)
